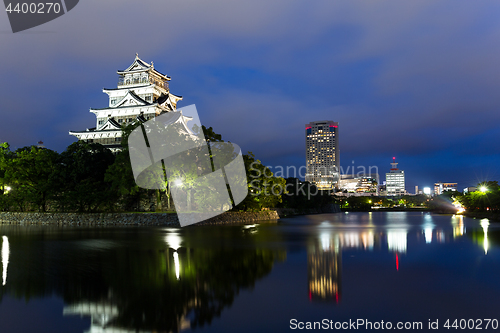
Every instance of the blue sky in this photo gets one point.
(413, 79)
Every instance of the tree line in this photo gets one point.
(88, 177)
(485, 198)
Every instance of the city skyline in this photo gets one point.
(420, 85)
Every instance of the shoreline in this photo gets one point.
(493, 217)
(129, 219)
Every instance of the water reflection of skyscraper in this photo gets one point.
(324, 269)
(324, 261)
(324, 254)
(324, 258)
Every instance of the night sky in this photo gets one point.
(417, 80)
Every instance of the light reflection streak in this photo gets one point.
(177, 265)
(484, 224)
(173, 240)
(458, 227)
(396, 240)
(428, 234)
(325, 241)
(5, 258)
(428, 228)
(440, 236)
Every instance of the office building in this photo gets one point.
(439, 187)
(395, 180)
(322, 154)
(470, 189)
(360, 183)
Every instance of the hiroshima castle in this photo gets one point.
(142, 93)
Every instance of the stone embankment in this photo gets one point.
(326, 209)
(129, 219)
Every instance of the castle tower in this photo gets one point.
(142, 93)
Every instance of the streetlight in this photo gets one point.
(483, 189)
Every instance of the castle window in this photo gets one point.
(120, 121)
(127, 82)
(148, 98)
(144, 80)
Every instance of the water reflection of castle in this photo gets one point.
(162, 284)
(104, 313)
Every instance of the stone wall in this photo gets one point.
(326, 209)
(129, 219)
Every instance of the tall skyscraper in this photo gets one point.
(322, 154)
(395, 180)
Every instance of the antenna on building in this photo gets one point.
(394, 164)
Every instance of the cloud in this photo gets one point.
(415, 77)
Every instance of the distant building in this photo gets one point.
(439, 188)
(382, 190)
(142, 93)
(470, 189)
(395, 180)
(322, 154)
(359, 183)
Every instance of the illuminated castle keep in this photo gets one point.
(142, 93)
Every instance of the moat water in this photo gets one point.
(330, 269)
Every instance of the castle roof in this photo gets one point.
(140, 65)
(135, 87)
